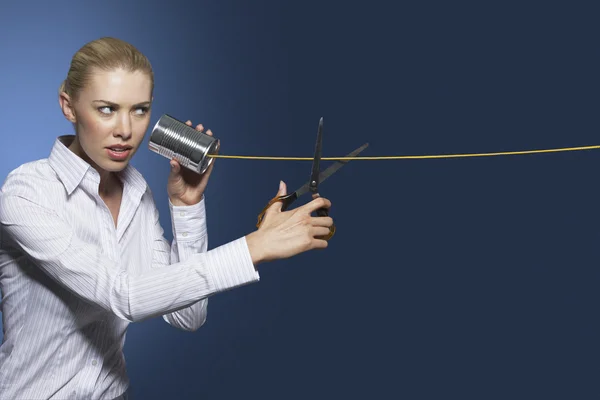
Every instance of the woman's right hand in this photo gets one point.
(283, 234)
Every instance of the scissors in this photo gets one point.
(312, 186)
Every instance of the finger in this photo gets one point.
(188, 122)
(320, 243)
(315, 204)
(282, 189)
(209, 132)
(321, 221)
(200, 127)
(175, 166)
(319, 231)
(276, 206)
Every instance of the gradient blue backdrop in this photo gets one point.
(471, 278)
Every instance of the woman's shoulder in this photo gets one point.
(30, 179)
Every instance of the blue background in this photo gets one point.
(470, 278)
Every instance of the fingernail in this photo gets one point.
(280, 185)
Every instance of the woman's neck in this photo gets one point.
(110, 184)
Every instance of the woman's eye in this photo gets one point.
(105, 110)
(142, 110)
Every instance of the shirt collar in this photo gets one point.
(72, 169)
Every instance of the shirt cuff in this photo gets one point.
(230, 265)
(189, 222)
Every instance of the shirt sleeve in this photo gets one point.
(189, 237)
(82, 268)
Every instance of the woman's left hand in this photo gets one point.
(186, 187)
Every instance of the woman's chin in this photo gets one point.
(114, 166)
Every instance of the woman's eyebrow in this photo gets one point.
(116, 105)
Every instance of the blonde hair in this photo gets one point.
(106, 53)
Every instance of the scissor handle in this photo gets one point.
(286, 200)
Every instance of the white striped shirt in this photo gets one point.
(72, 282)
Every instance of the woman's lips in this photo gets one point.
(118, 153)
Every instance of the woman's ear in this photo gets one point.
(66, 106)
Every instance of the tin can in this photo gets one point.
(172, 138)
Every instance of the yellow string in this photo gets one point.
(409, 157)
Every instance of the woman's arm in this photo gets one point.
(189, 237)
(83, 269)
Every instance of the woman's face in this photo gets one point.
(111, 116)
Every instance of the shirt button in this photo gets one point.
(184, 234)
(94, 362)
(182, 213)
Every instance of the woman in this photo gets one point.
(82, 252)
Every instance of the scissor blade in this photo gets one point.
(331, 169)
(316, 169)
